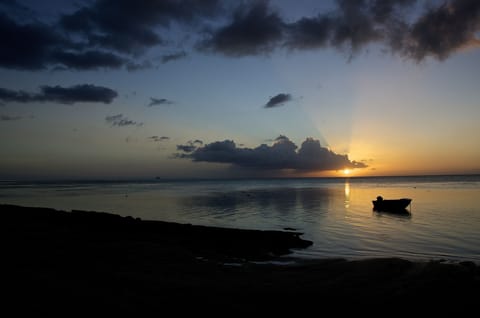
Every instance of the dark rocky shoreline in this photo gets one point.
(59, 261)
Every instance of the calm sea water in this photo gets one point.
(336, 214)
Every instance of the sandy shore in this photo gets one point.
(72, 262)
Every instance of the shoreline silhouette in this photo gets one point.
(59, 260)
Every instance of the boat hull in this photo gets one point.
(399, 205)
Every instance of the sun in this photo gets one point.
(346, 171)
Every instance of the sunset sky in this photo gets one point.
(214, 89)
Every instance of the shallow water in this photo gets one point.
(336, 214)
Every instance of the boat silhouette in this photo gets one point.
(397, 205)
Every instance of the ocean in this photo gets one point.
(335, 213)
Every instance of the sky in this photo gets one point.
(120, 89)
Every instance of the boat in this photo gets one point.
(398, 205)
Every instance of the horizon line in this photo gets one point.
(172, 179)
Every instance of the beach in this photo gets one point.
(81, 261)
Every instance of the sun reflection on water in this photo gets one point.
(347, 194)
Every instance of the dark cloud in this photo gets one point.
(383, 10)
(443, 30)
(282, 154)
(354, 26)
(309, 33)
(94, 36)
(110, 26)
(438, 31)
(112, 34)
(281, 138)
(121, 121)
(189, 147)
(278, 100)
(7, 95)
(129, 26)
(256, 29)
(174, 56)
(9, 117)
(158, 138)
(11, 4)
(253, 30)
(351, 26)
(35, 46)
(85, 93)
(26, 46)
(159, 101)
(16, 9)
(186, 148)
(88, 60)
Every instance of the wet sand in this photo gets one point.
(89, 262)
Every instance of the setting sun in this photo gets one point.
(346, 171)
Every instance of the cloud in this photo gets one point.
(279, 138)
(7, 95)
(158, 138)
(438, 31)
(278, 100)
(16, 9)
(91, 37)
(190, 146)
(129, 26)
(351, 26)
(10, 118)
(113, 34)
(383, 10)
(253, 30)
(159, 101)
(186, 148)
(256, 29)
(88, 60)
(174, 56)
(120, 120)
(36, 46)
(79, 93)
(86, 93)
(309, 33)
(443, 30)
(26, 46)
(283, 154)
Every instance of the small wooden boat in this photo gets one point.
(399, 205)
